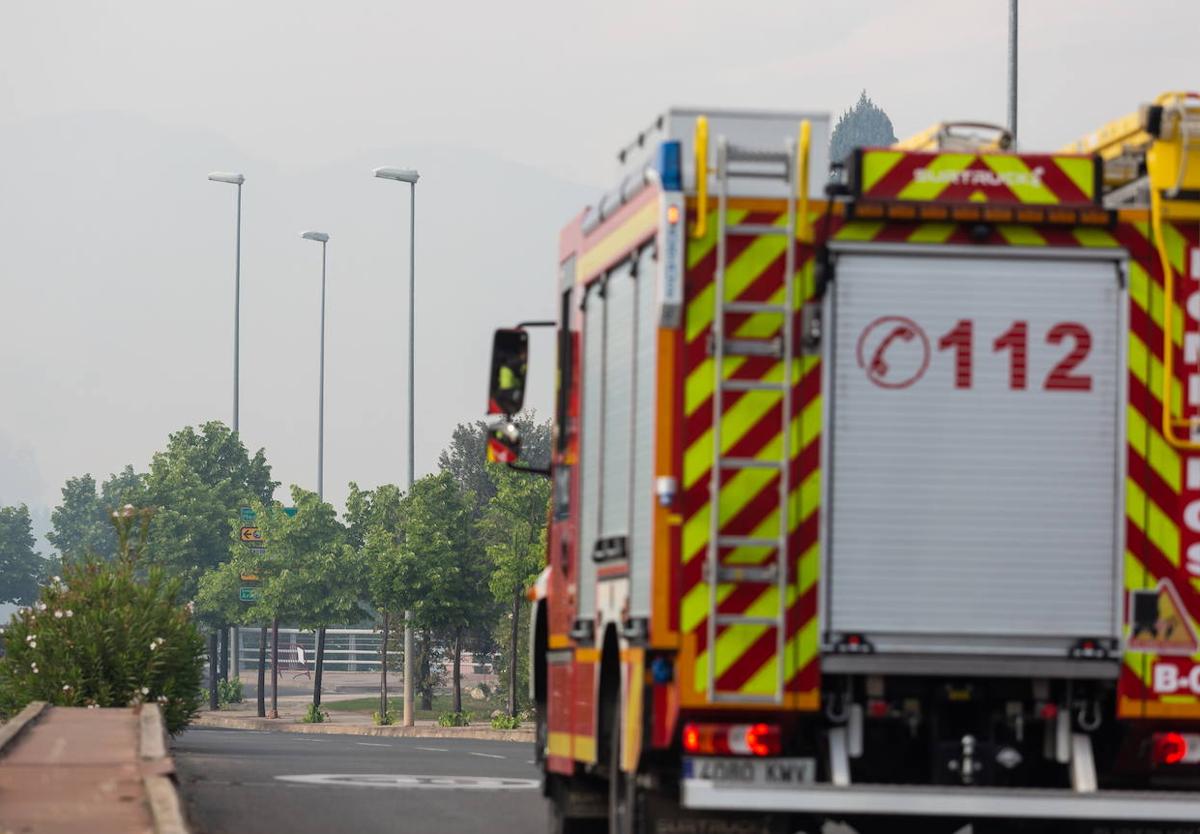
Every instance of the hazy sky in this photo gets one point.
(116, 253)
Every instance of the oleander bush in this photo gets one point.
(107, 634)
(506, 722)
(229, 691)
(453, 719)
(314, 715)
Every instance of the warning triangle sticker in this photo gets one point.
(1160, 624)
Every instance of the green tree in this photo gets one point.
(443, 576)
(466, 456)
(197, 484)
(21, 567)
(514, 529)
(863, 125)
(374, 521)
(114, 634)
(82, 523)
(308, 574)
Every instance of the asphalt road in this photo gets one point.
(245, 782)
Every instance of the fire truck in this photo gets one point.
(876, 485)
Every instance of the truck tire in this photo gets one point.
(559, 820)
(623, 798)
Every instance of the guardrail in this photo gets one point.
(346, 650)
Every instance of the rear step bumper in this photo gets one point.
(930, 801)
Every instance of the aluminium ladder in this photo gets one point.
(741, 163)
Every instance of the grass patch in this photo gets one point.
(476, 711)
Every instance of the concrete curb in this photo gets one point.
(159, 770)
(10, 731)
(283, 726)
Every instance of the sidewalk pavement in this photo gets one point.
(69, 769)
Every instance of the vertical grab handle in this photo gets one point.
(804, 232)
(700, 149)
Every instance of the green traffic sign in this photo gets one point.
(246, 594)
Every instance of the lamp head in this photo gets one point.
(319, 237)
(225, 176)
(408, 175)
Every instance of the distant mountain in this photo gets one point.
(116, 326)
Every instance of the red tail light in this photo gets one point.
(1176, 748)
(732, 739)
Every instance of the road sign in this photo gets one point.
(251, 535)
(249, 577)
(248, 593)
(1161, 624)
(247, 514)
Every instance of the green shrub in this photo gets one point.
(229, 691)
(453, 719)
(108, 634)
(506, 722)
(384, 720)
(314, 715)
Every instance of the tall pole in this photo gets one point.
(412, 341)
(321, 396)
(1012, 70)
(237, 308)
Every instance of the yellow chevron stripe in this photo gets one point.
(1162, 458)
(738, 275)
(1019, 235)
(801, 648)
(694, 607)
(805, 428)
(1080, 171)
(859, 230)
(1026, 192)
(930, 190)
(932, 233)
(804, 502)
(1094, 238)
(1151, 520)
(1151, 377)
(876, 166)
(698, 248)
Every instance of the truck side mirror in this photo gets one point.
(504, 443)
(510, 356)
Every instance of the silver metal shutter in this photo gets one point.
(641, 495)
(589, 455)
(980, 518)
(618, 400)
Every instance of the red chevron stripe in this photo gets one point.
(802, 609)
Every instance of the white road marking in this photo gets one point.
(433, 749)
(486, 755)
(372, 744)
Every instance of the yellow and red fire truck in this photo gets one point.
(876, 493)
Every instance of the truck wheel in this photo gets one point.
(622, 788)
(559, 820)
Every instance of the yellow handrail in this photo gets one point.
(1168, 347)
(1167, 164)
(700, 148)
(803, 227)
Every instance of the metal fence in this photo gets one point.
(346, 649)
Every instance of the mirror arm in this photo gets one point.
(530, 470)
(524, 324)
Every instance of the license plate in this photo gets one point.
(742, 773)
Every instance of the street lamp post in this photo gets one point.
(323, 239)
(410, 176)
(233, 179)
